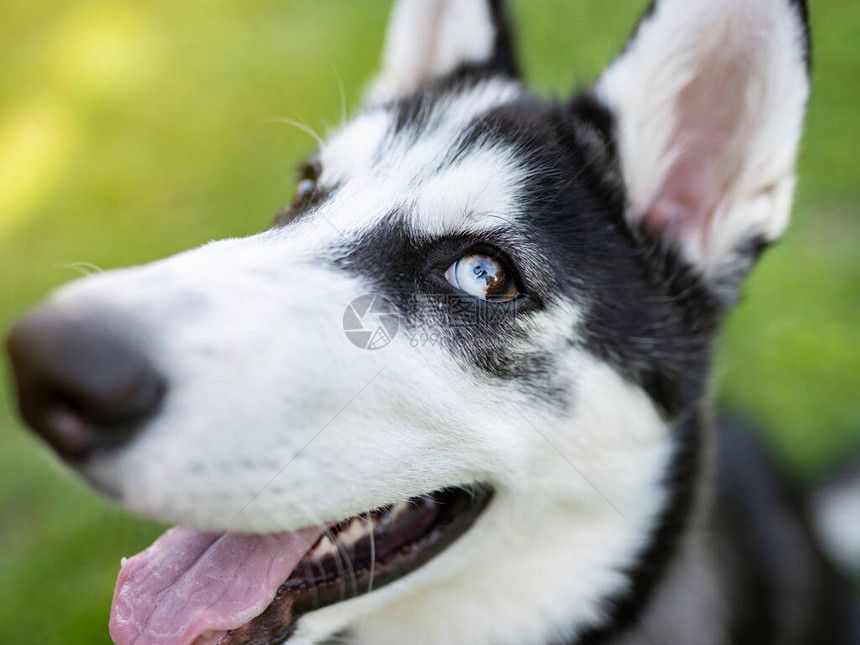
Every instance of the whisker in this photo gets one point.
(343, 557)
(84, 268)
(369, 521)
(338, 561)
(304, 127)
(340, 89)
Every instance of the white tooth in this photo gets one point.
(323, 548)
(355, 531)
(122, 562)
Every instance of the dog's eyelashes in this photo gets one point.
(483, 276)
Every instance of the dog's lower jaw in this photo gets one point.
(551, 580)
(554, 558)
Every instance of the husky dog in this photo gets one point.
(525, 453)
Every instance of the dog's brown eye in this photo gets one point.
(484, 277)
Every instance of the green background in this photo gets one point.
(122, 139)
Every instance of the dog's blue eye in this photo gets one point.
(309, 175)
(304, 188)
(482, 276)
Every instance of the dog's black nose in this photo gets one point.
(83, 382)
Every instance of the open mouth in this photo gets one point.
(194, 587)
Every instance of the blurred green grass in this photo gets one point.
(121, 141)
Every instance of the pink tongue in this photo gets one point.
(190, 582)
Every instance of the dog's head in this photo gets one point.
(494, 308)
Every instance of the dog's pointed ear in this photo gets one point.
(709, 98)
(428, 39)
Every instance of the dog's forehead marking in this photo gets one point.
(477, 194)
(378, 164)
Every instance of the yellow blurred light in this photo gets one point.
(36, 141)
(103, 49)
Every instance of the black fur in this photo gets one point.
(478, 333)
(776, 562)
(636, 305)
(504, 58)
(647, 313)
(803, 9)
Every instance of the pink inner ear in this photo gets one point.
(706, 148)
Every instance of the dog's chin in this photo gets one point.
(199, 588)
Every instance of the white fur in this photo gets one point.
(499, 585)
(429, 38)
(682, 46)
(270, 307)
(274, 421)
(376, 174)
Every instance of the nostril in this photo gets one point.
(65, 430)
(83, 381)
(109, 388)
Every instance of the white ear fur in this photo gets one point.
(430, 38)
(710, 97)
